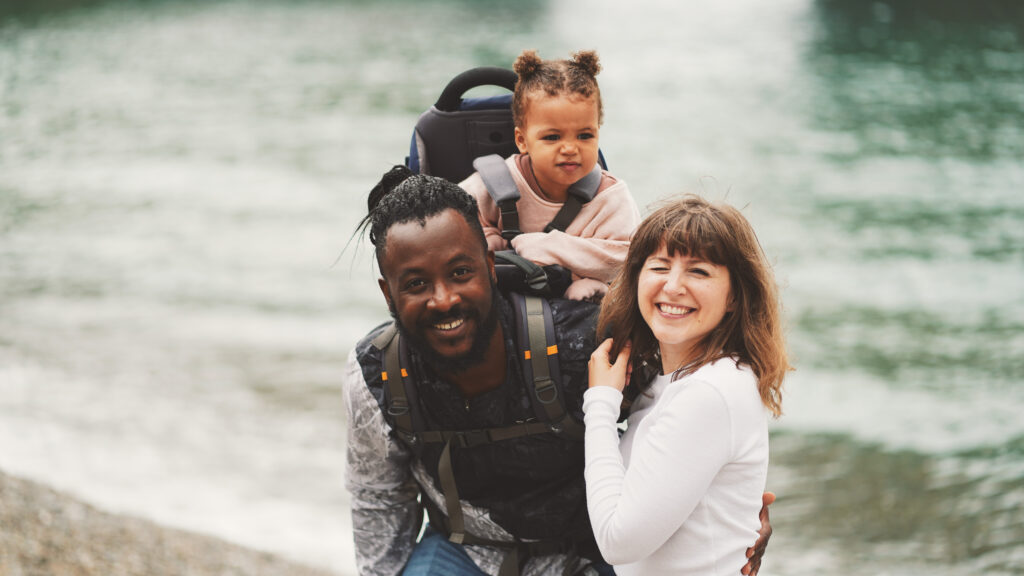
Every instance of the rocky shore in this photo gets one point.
(44, 532)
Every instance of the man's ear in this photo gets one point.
(520, 140)
(490, 266)
(383, 285)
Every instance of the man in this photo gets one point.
(521, 500)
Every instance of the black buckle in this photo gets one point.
(510, 234)
(398, 407)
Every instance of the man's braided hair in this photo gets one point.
(402, 196)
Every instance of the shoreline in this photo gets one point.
(47, 532)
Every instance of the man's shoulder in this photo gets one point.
(370, 352)
(575, 324)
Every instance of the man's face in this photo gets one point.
(438, 282)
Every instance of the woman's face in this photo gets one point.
(682, 299)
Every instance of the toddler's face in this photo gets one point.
(560, 133)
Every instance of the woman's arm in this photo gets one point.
(635, 511)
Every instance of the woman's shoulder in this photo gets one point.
(734, 381)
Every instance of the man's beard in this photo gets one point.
(481, 340)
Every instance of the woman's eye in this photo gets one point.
(700, 272)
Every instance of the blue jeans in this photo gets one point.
(435, 555)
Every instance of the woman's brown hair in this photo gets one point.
(751, 332)
(554, 77)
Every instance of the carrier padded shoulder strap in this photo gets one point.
(399, 389)
(535, 328)
(581, 192)
(503, 190)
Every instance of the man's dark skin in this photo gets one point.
(437, 280)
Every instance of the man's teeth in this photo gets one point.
(449, 325)
(669, 309)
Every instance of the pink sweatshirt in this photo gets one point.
(592, 247)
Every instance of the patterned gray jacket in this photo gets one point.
(541, 487)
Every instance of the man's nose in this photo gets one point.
(444, 297)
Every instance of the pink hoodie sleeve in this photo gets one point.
(595, 244)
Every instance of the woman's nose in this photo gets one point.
(675, 283)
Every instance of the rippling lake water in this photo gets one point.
(179, 179)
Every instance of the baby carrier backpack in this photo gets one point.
(452, 139)
(458, 136)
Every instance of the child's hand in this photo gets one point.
(603, 372)
(586, 289)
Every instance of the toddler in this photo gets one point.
(557, 112)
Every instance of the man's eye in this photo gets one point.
(414, 284)
(461, 272)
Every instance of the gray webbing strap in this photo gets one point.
(586, 188)
(502, 188)
(536, 278)
(541, 331)
(471, 438)
(457, 523)
(581, 192)
(543, 386)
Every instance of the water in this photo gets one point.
(178, 180)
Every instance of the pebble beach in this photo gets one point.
(44, 532)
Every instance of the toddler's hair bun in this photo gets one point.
(587, 61)
(388, 182)
(527, 64)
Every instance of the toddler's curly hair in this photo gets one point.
(553, 77)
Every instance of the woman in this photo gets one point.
(694, 321)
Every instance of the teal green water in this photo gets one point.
(178, 181)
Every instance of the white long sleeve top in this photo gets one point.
(681, 492)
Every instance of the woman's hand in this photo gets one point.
(603, 372)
